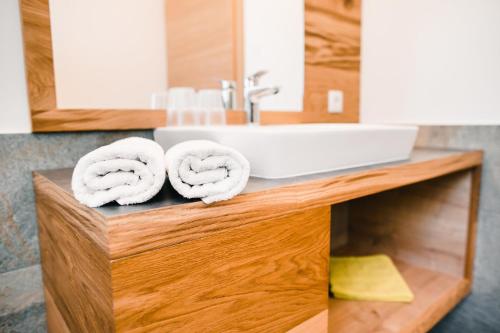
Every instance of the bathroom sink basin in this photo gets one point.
(283, 151)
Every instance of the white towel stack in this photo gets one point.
(207, 170)
(127, 171)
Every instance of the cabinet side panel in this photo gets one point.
(425, 224)
(473, 216)
(55, 321)
(267, 276)
(76, 271)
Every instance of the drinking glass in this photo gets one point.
(182, 108)
(211, 107)
(159, 100)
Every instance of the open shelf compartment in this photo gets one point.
(428, 230)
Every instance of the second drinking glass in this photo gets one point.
(211, 107)
(182, 107)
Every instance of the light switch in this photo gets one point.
(335, 101)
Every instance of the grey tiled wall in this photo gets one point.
(21, 297)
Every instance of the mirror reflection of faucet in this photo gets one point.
(253, 93)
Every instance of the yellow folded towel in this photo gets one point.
(369, 278)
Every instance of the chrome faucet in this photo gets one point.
(253, 93)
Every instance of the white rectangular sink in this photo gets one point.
(283, 151)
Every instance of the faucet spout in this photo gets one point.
(255, 94)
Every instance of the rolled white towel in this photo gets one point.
(127, 171)
(207, 170)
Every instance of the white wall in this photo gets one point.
(274, 40)
(14, 111)
(108, 54)
(431, 62)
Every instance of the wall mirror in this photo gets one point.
(94, 64)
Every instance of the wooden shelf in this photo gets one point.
(169, 219)
(428, 230)
(435, 294)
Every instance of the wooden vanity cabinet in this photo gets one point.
(239, 274)
(259, 262)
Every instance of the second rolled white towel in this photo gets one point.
(207, 170)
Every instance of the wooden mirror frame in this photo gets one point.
(331, 60)
(39, 63)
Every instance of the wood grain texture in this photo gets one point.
(38, 56)
(236, 117)
(267, 276)
(339, 226)
(290, 117)
(429, 230)
(45, 116)
(238, 33)
(435, 295)
(143, 231)
(472, 225)
(55, 320)
(332, 56)
(90, 223)
(425, 224)
(205, 43)
(259, 261)
(316, 324)
(199, 56)
(64, 120)
(76, 271)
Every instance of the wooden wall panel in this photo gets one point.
(204, 42)
(38, 54)
(332, 56)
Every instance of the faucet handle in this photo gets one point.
(253, 79)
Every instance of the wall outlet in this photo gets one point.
(335, 101)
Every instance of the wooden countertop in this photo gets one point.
(170, 219)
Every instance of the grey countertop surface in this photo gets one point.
(169, 197)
